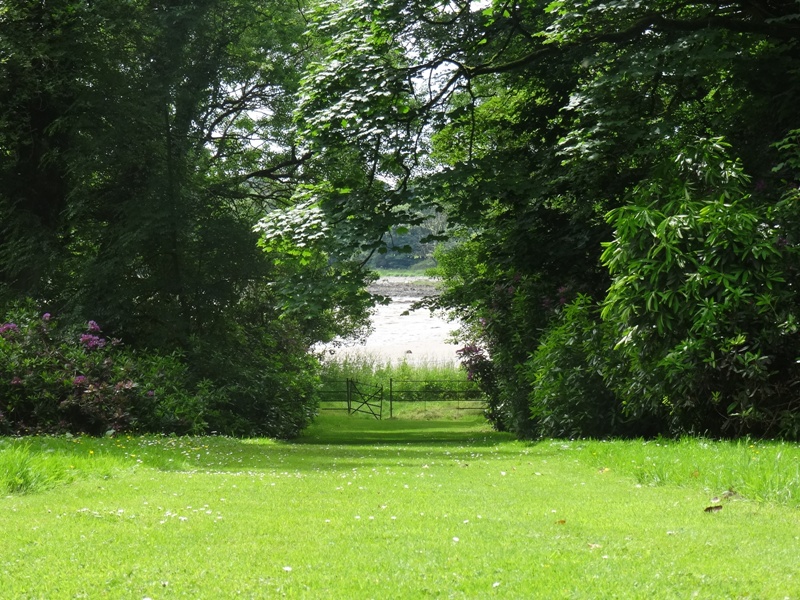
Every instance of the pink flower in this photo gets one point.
(8, 328)
(46, 317)
(91, 342)
(79, 381)
(94, 327)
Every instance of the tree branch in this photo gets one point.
(654, 22)
(273, 172)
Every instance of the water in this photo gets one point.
(403, 335)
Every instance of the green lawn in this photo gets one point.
(397, 509)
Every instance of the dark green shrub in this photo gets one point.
(178, 405)
(569, 396)
(704, 299)
(507, 282)
(264, 381)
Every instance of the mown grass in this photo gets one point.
(359, 508)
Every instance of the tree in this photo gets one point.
(141, 142)
(529, 121)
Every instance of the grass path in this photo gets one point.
(393, 509)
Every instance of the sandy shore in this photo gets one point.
(404, 287)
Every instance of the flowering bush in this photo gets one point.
(479, 367)
(56, 379)
(92, 342)
(7, 330)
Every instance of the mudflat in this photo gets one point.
(404, 287)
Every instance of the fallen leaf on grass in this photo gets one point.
(561, 522)
(715, 508)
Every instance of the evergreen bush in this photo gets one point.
(704, 300)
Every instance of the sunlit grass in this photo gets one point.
(37, 464)
(759, 470)
(359, 508)
(419, 270)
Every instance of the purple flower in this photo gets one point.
(16, 381)
(94, 327)
(151, 393)
(79, 381)
(91, 342)
(8, 328)
(46, 317)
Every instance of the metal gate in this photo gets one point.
(364, 398)
(352, 396)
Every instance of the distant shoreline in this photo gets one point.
(405, 287)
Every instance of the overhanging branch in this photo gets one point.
(274, 172)
(652, 22)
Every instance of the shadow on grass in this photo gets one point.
(356, 431)
(332, 443)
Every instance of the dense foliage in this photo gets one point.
(529, 122)
(208, 180)
(140, 144)
(570, 396)
(61, 378)
(704, 298)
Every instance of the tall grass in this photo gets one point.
(23, 470)
(759, 470)
(37, 464)
(418, 270)
(374, 369)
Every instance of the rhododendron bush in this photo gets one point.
(56, 378)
